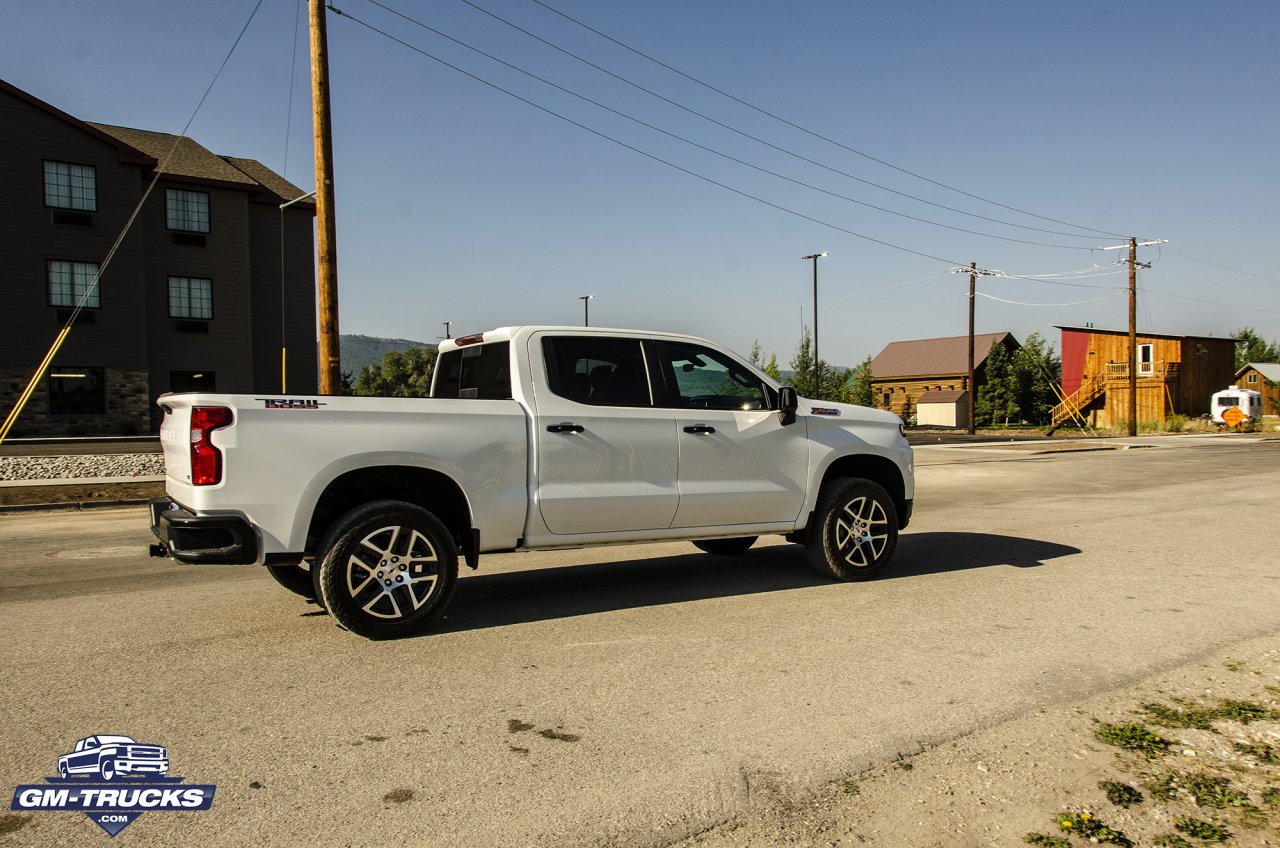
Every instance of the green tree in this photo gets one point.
(1254, 348)
(860, 389)
(771, 367)
(997, 399)
(1034, 369)
(802, 373)
(401, 374)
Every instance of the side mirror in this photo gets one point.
(788, 402)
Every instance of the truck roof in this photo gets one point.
(500, 334)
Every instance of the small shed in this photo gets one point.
(1262, 377)
(945, 408)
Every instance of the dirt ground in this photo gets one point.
(80, 493)
(1035, 780)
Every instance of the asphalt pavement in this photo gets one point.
(628, 696)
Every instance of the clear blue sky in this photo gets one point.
(458, 202)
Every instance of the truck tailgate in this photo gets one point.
(175, 438)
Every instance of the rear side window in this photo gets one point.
(482, 372)
(597, 371)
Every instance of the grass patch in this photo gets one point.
(1134, 736)
(1088, 827)
(1271, 797)
(1042, 840)
(1202, 717)
(1165, 716)
(1246, 711)
(1259, 751)
(1214, 792)
(1164, 788)
(1170, 840)
(1200, 829)
(1120, 794)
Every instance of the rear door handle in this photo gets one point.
(699, 428)
(566, 427)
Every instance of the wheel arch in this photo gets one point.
(435, 492)
(877, 469)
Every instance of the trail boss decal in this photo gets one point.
(290, 403)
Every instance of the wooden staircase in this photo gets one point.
(1073, 406)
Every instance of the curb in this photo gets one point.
(74, 506)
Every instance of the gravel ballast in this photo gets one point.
(82, 467)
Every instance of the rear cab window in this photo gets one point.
(481, 372)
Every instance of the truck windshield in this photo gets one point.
(476, 371)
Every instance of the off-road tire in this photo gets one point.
(855, 530)
(388, 571)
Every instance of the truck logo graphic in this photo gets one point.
(109, 757)
(290, 403)
(113, 779)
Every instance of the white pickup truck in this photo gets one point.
(533, 438)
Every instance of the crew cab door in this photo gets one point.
(606, 455)
(738, 463)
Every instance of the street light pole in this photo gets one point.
(817, 367)
(586, 308)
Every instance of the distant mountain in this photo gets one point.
(359, 352)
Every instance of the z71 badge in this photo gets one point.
(290, 403)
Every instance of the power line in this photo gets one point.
(742, 133)
(812, 132)
(707, 149)
(1223, 267)
(634, 149)
(1071, 303)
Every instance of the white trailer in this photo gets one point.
(1246, 400)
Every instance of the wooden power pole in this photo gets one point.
(973, 395)
(1133, 337)
(326, 235)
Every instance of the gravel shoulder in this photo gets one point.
(997, 786)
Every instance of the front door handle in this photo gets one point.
(566, 427)
(699, 428)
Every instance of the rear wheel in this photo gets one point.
(855, 530)
(389, 570)
(726, 547)
(295, 578)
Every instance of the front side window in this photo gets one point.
(70, 281)
(190, 297)
(187, 211)
(597, 371)
(701, 378)
(77, 391)
(68, 186)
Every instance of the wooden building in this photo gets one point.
(1176, 375)
(1262, 377)
(903, 372)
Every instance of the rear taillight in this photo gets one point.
(206, 460)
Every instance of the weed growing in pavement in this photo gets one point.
(1174, 717)
(1201, 717)
(1259, 751)
(1170, 840)
(1200, 829)
(1085, 825)
(1271, 797)
(1042, 840)
(1165, 787)
(1120, 794)
(1214, 792)
(849, 787)
(1134, 736)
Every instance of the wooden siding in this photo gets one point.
(904, 395)
(1270, 395)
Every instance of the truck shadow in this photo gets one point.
(494, 600)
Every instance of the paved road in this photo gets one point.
(628, 696)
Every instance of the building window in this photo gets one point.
(1253, 378)
(68, 186)
(884, 399)
(1146, 359)
(77, 391)
(69, 281)
(193, 381)
(190, 297)
(186, 210)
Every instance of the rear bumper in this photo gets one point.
(201, 539)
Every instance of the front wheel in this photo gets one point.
(726, 547)
(107, 768)
(855, 530)
(389, 570)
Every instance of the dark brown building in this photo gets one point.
(203, 290)
(1176, 375)
(904, 371)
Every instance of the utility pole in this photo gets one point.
(973, 396)
(1134, 265)
(586, 308)
(326, 233)
(1133, 336)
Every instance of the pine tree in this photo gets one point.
(802, 372)
(997, 401)
(861, 390)
(1034, 369)
(1254, 349)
